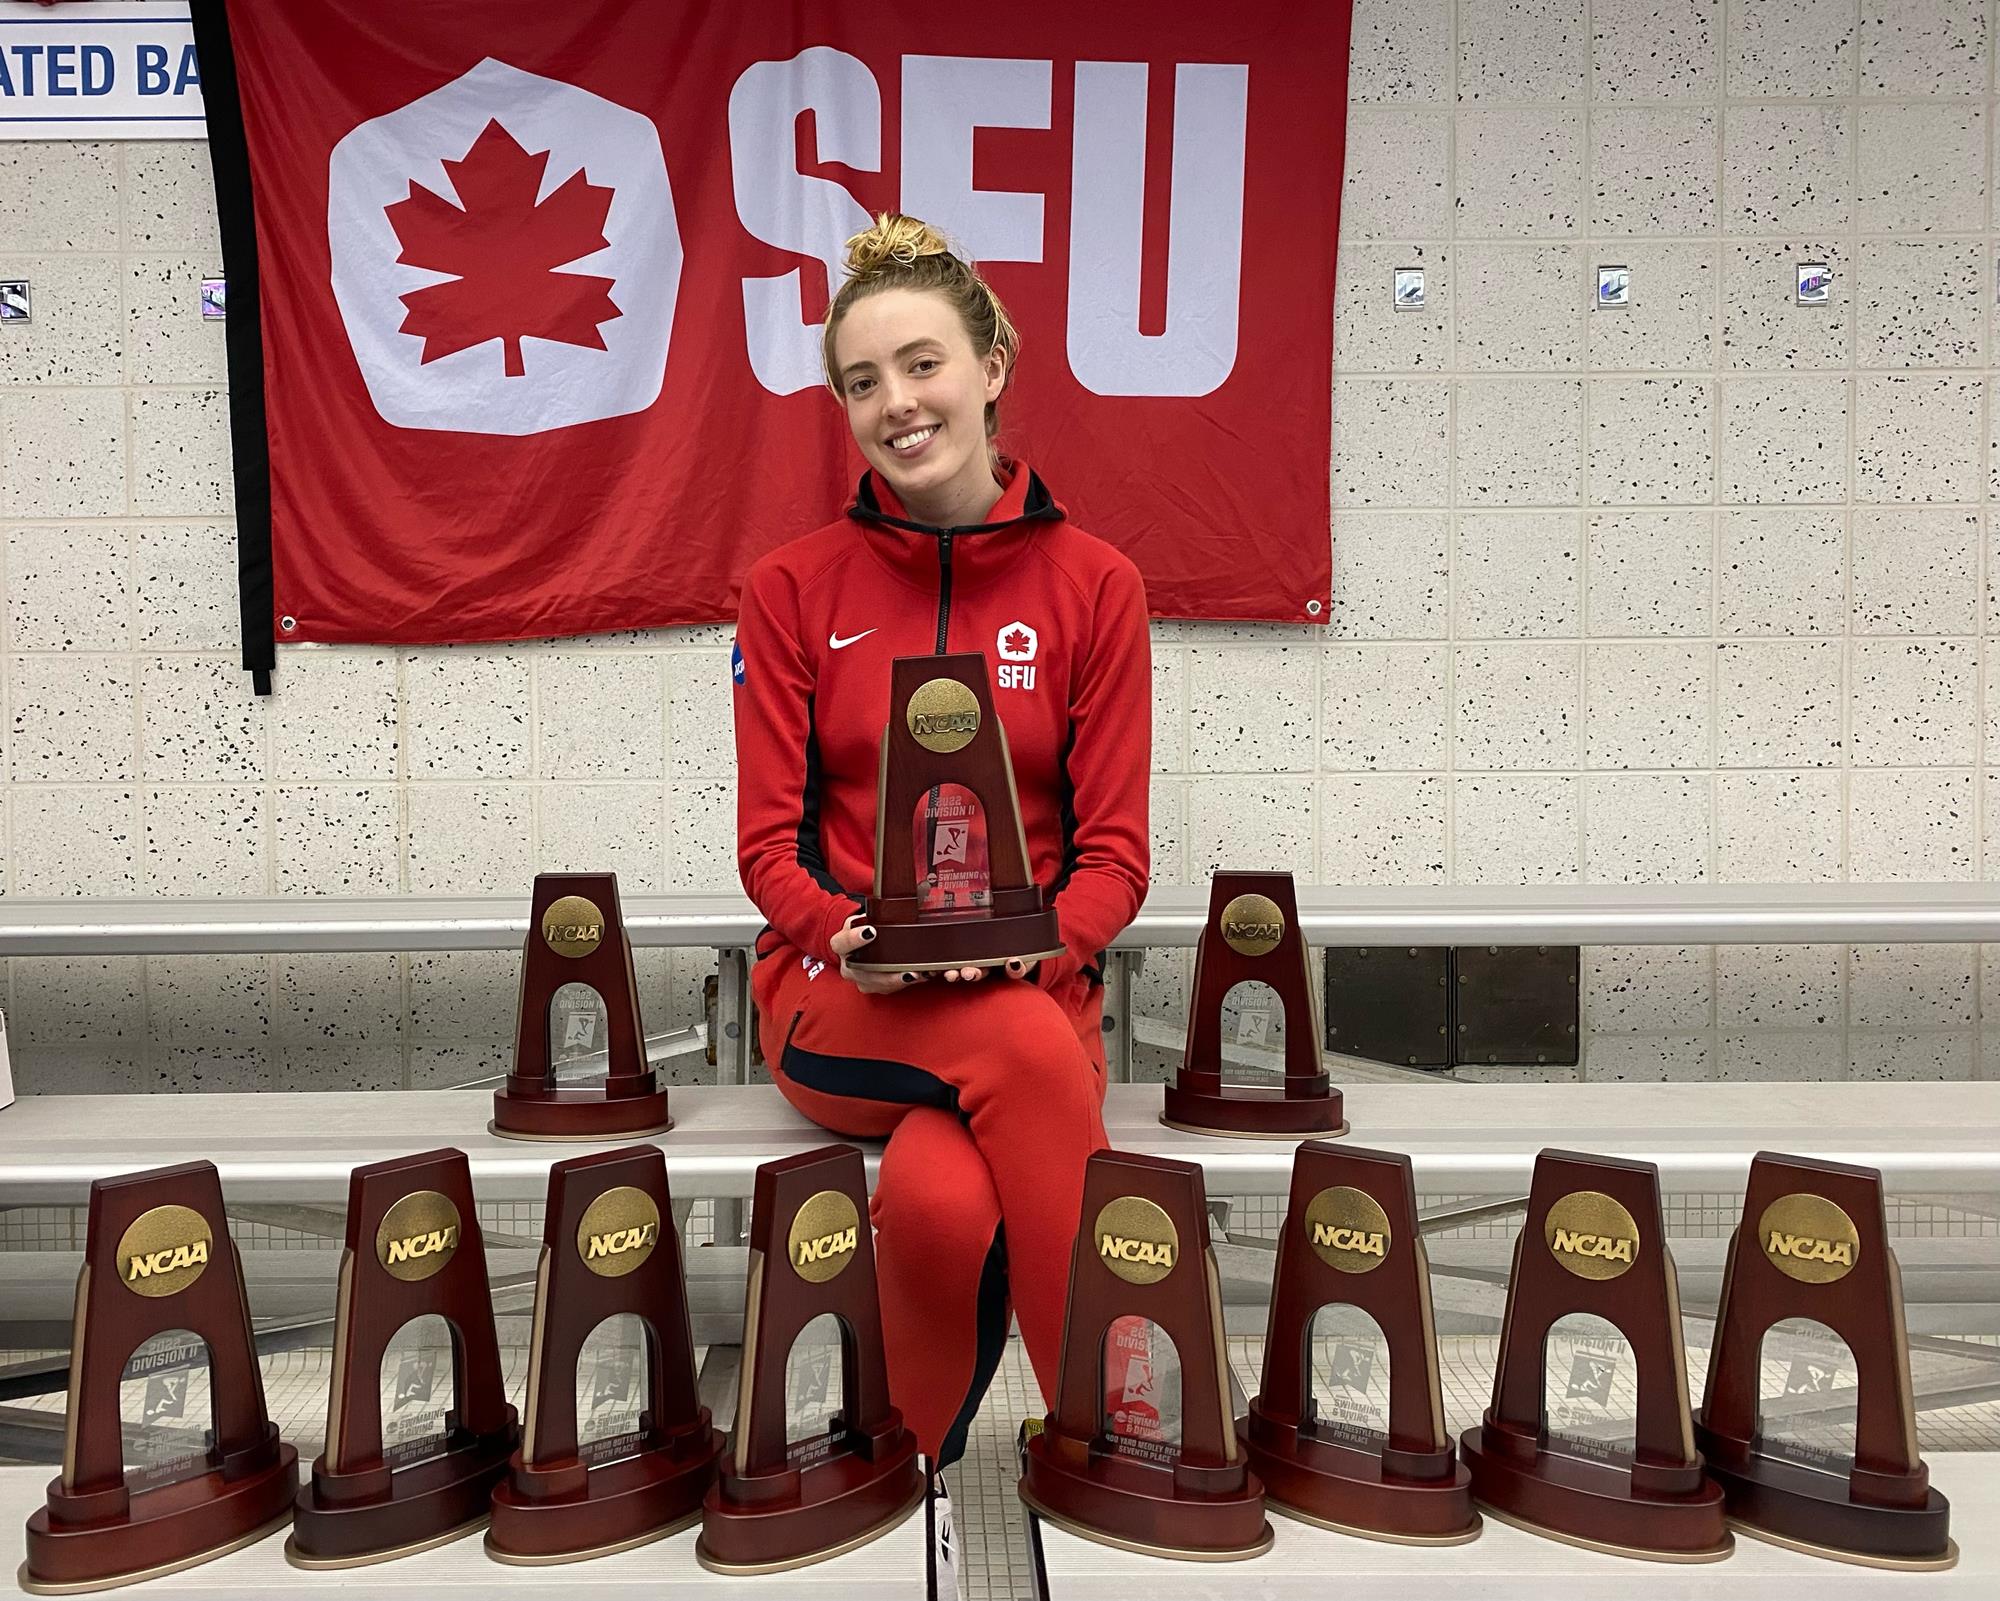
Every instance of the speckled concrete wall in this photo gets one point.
(1700, 590)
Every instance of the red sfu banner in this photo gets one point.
(539, 288)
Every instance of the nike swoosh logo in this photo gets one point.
(837, 643)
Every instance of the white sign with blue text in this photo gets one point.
(103, 69)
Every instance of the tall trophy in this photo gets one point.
(414, 1469)
(158, 1258)
(952, 884)
(1252, 934)
(1145, 1254)
(1375, 1459)
(1814, 1244)
(609, 1248)
(783, 1504)
(1594, 1244)
(576, 935)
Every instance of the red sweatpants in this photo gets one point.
(991, 1098)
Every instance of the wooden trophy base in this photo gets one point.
(1347, 1489)
(176, 1526)
(1254, 1112)
(832, 1509)
(1811, 1509)
(908, 943)
(578, 1114)
(427, 1504)
(1120, 1503)
(1591, 1504)
(624, 1504)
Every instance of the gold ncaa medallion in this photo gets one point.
(164, 1251)
(417, 1236)
(943, 716)
(1591, 1235)
(1809, 1238)
(1252, 925)
(826, 1231)
(573, 926)
(1136, 1240)
(618, 1232)
(1347, 1229)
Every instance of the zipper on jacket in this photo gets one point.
(944, 590)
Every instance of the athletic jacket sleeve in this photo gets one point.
(778, 850)
(1106, 868)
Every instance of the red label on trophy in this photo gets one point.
(954, 869)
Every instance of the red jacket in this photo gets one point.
(821, 620)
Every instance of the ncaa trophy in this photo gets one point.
(158, 1257)
(969, 900)
(783, 1504)
(1146, 1255)
(1351, 1239)
(576, 935)
(1814, 1243)
(1252, 934)
(413, 1250)
(608, 1248)
(1594, 1243)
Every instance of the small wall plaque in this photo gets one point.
(1815, 283)
(1614, 288)
(214, 299)
(1407, 288)
(14, 300)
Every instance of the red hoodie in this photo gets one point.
(1061, 617)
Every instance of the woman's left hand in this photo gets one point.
(1015, 968)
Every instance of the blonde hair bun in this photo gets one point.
(893, 240)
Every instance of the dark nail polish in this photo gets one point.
(909, 978)
(868, 933)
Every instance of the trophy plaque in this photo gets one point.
(952, 885)
(576, 935)
(1145, 1254)
(608, 1248)
(780, 1504)
(382, 1489)
(1351, 1239)
(1253, 934)
(1814, 1243)
(1594, 1244)
(158, 1257)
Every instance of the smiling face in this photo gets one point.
(915, 394)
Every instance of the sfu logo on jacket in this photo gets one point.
(1061, 618)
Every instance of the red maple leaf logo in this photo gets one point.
(502, 249)
(1015, 641)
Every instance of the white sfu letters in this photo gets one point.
(945, 99)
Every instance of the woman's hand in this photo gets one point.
(855, 933)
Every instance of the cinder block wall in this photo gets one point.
(1703, 590)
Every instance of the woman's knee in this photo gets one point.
(933, 1183)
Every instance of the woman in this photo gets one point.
(988, 1088)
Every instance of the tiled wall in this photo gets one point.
(1705, 589)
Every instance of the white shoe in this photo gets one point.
(944, 1580)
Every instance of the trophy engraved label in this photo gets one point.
(1351, 1238)
(609, 1248)
(576, 939)
(952, 884)
(380, 1490)
(158, 1258)
(1594, 1243)
(1814, 1243)
(778, 1504)
(1144, 1253)
(1252, 935)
